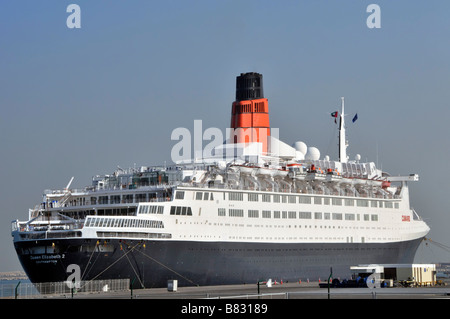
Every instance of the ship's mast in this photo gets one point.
(342, 141)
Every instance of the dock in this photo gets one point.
(304, 290)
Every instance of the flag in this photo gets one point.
(335, 115)
(355, 118)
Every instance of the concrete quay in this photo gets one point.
(309, 290)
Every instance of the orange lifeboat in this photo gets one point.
(385, 184)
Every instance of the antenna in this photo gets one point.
(342, 141)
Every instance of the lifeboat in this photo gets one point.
(385, 184)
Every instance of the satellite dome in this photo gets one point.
(299, 155)
(312, 154)
(301, 147)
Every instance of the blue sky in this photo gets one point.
(79, 102)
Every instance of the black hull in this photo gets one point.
(152, 263)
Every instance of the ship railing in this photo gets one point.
(24, 227)
(36, 290)
(113, 187)
(84, 202)
(306, 191)
(47, 223)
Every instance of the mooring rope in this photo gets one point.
(116, 261)
(161, 264)
(445, 247)
(135, 272)
(125, 255)
(89, 261)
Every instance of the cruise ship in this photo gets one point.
(255, 208)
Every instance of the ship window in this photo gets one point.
(388, 205)
(374, 218)
(115, 199)
(221, 211)
(349, 202)
(253, 213)
(103, 200)
(211, 197)
(236, 212)
(366, 217)
(318, 200)
(236, 196)
(292, 215)
(266, 213)
(396, 205)
(276, 214)
(336, 201)
(198, 196)
(304, 215)
(141, 198)
(336, 216)
(276, 198)
(317, 215)
(349, 216)
(127, 198)
(291, 199)
(206, 196)
(154, 209)
(179, 195)
(362, 203)
(326, 216)
(304, 199)
(284, 214)
(253, 197)
(266, 198)
(326, 201)
(178, 210)
(152, 197)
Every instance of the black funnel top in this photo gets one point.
(249, 86)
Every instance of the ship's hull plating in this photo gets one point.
(152, 263)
